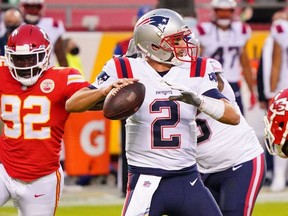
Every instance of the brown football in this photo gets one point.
(124, 102)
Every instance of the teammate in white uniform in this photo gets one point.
(227, 155)
(279, 76)
(33, 11)
(161, 135)
(225, 39)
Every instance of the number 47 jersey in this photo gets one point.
(224, 46)
(162, 133)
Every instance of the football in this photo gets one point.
(123, 102)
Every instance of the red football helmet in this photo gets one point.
(27, 53)
(32, 10)
(276, 127)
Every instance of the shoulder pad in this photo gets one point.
(216, 65)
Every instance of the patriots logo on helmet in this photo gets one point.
(158, 21)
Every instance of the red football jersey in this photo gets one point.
(34, 119)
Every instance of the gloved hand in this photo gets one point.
(186, 95)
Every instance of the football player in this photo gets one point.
(33, 111)
(275, 132)
(279, 31)
(276, 127)
(161, 135)
(230, 159)
(33, 13)
(225, 39)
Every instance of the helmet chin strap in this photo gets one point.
(172, 60)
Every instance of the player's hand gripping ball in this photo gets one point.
(123, 102)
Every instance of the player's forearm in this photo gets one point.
(247, 70)
(248, 76)
(84, 99)
(230, 116)
(276, 65)
(60, 54)
(274, 78)
(221, 110)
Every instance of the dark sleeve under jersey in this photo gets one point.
(214, 93)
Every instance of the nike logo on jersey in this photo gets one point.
(234, 168)
(193, 183)
(38, 195)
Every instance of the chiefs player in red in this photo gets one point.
(33, 98)
(276, 125)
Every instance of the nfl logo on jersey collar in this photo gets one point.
(47, 86)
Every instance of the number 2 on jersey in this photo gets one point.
(164, 122)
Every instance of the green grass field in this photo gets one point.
(261, 209)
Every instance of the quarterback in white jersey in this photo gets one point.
(225, 39)
(229, 154)
(161, 135)
(145, 125)
(33, 11)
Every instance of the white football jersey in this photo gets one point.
(267, 51)
(162, 133)
(2, 28)
(54, 29)
(279, 32)
(222, 146)
(224, 46)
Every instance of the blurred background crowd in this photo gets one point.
(86, 33)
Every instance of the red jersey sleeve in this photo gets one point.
(74, 82)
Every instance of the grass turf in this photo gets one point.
(261, 209)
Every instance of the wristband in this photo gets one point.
(212, 107)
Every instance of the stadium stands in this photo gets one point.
(104, 14)
(112, 15)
